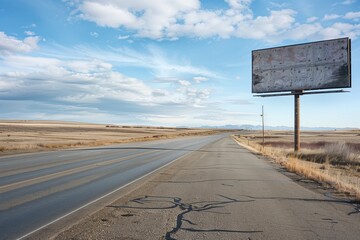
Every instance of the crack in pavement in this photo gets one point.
(186, 208)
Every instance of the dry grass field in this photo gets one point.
(31, 136)
(326, 156)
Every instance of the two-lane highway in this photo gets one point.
(223, 191)
(37, 189)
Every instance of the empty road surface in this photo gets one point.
(222, 191)
(217, 190)
(36, 189)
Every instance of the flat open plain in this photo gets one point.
(195, 187)
(33, 136)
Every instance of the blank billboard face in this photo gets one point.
(317, 65)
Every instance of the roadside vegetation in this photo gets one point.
(330, 157)
(33, 136)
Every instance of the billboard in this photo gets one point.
(309, 66)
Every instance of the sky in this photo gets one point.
(164, 62)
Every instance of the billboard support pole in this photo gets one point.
(263, 128)
(297, 121)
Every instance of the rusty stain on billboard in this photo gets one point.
(310, 66)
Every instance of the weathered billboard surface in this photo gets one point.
(310, 66)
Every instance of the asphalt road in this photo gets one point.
(36, 189)
(223, 191)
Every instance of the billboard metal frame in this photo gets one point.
(302, 44)
(298, 92)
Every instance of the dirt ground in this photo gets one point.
(31, 136)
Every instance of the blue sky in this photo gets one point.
(164, 62)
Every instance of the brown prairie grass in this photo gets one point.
(63, 145)
(33, 136)
(335, 163)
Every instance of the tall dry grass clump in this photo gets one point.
(337, 163)
(337, 154)
(341, 153)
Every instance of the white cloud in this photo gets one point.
(316, 31)
(267, 26)
(352, 15)
(201, 24)
(67, 88)
(195, 97)
(345, 2)
(232, 23)
(201, 116)
(348, 2)
(94, 34)
(304, 31)
(311, 19)
(9, 44)
(7, 85)
(184, 83)
(74, 88)
(239, 101)
(177, 18)
(340, 30)
(155, 59)
(106, 14)
(186, 93)
(328, 17)
(239, 4)
(33, 25)
(279, 5)
(199, 79)
(149, 57)
(148, 18)
(123, 37)
(29, 33)
(91, 80)
(88, 66)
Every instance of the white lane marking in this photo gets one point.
(98, 199)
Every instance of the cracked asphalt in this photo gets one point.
(223, 191)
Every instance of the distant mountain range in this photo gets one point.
(284, 128)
